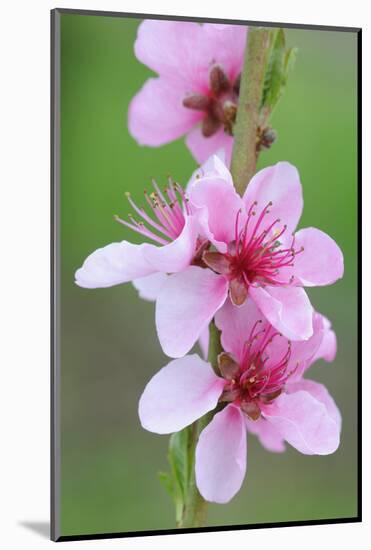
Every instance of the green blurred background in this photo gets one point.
(109, 348)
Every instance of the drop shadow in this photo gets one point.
(42, 528)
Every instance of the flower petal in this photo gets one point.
(321, 262)
(303, 352)
(236, 324)
(185, 50)
(279, 184)
(221, 456)
(185, 307)
(222, 203)
(179, 394)
(205, 232)
(321, 345)
(214, 167)
(174, 49)
(319, 392)
(203, 147)
(306, 420)
(267, 434)
(226, 44)
(114, 264)
(149, 287)
(157, 115)
(177, 255)
(288, 309)
(328, 346)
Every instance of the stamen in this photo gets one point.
(141, 212)
(257, 225)
(256, 257)
(169, 210)
(142, 230)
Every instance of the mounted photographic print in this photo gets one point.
(205, 275)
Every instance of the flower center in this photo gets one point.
(256, 256)
(219, 104)
(258, 378)
(169, 210)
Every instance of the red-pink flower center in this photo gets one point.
(219, 103)
(169, 209)
(256, 257)
(258, 378)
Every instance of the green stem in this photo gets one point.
(215, 347)
(244, 155)
(243, 168)
(195, 509)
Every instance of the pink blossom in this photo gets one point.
(253, 252)
(174, 227)
(260, 389)
(196, 91)
(179, 232)
(209, 242)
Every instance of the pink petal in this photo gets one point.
(149, 287)
(279, 184)
(236, 324)
(288, 309)
(204, 228)
(179, 394)
(328, 346)
(303, 352)
(156, 113)
(226, 44)
(184, 50)
(177, 255)
(221, 456)
(306, 420)
(203, 147)
(114, 264)
(213, 167)
(321, 262)
(175, 49)
(185, 307)
(203, 342)
(222, 203)
(319, 392)
(321, 345)
(267, 434)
